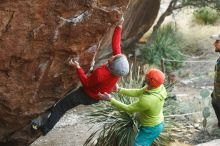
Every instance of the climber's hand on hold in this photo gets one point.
(74, 63)
(121, 21)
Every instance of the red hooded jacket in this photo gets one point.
(101, 80)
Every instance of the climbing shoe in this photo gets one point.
(39, 121)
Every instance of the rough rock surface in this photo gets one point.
(36, 39)
(215, 142)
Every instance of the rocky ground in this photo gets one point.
(71, 130)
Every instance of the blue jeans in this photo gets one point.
(147, 135)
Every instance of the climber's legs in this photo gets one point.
(72, 100)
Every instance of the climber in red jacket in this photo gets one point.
(102, 79)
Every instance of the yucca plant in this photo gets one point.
(118, 128)
(166, 44)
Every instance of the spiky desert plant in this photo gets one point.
(113, 127)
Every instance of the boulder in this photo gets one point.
(37, 37)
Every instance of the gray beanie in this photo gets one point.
(119, 66)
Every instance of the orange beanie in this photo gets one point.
(155, 77)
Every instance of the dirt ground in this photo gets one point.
(71, 130)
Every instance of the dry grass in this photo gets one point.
(196, 36)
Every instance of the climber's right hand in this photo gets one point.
(121, 22)
(74, 63)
